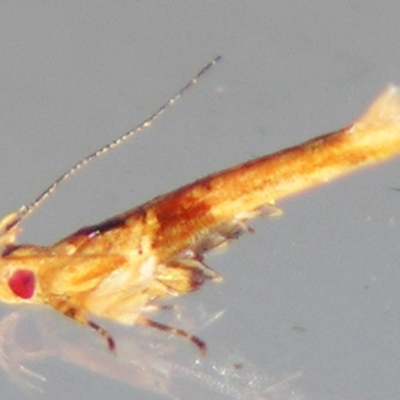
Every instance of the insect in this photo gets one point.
(118, 268)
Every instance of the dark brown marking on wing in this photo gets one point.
(102, 227)
(183, 207)
(10, 249)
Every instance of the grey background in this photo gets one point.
(312, 295)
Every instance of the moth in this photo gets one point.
(119, 269)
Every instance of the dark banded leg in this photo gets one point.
(141, 320)
(72, 313)
(110, 340)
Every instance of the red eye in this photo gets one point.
(22, 283)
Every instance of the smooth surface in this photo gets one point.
(312, 295)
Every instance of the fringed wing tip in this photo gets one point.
(385, 110)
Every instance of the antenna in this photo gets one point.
(25, 211)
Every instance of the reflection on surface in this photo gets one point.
(26, 341)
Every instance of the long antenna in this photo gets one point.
(24, 211)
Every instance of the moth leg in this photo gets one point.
(141, 320)
(185, 275)
(79, 317)
(103, 332)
